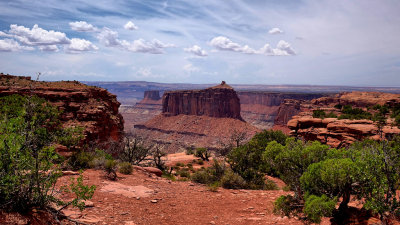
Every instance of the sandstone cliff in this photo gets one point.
(220, 101)
(342, 132)
(94, 109)
(266, 109)
(199, 118)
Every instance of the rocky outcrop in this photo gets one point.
(151, 101)
(199, 118)
(94, 109)
(266, 109)
(342, 132)
(220, 101)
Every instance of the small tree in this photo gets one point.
(158, 157)
(135, 149)
(202, 153)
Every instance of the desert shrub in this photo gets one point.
(232, 180)
(263, 138)
(184, 173)
(319, 114)
(348, 112)
(338, 106)
(80, 160)
(202, 153)
(287, 205)
(190, 150)
(29, 126)
(135, 149)
(82, 192)
(202, 177)
(169, 176)
(317, 207)
(158, 158)
(179, 164)
(213, 187)
(125, 168)
(110, 168)
(200, 162)
(331, 115)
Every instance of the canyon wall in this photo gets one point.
(220, 101)
(94, 109)
(338, 132)
(266, 109)
(198, 118)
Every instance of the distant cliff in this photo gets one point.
(220, 101)
(94, 109)
(266, 109)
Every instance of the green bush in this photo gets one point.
(319, 114)
(81, 160)
(29, 126)
(348, 112)
(232, 180)
(110, 167)
(184, 173)
(200, 162)
(287, 205)
(202, 177)
(179, 164)
(202, 153)
(317, 207)
(125, 168)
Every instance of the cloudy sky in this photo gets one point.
(321, 42)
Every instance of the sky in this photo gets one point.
(317, 42)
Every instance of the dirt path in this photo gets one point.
(142, 198)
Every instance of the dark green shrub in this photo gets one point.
(214, 186)
(184, 173)
(110, 168)
(319, 114)
(287, 205)
(179, 164)
(200, 162)
(202, 177)
(331, 115)
(81, 160)
(202, 153)
(190, 151)
(125, 168)
(232, 180)
(317, 207)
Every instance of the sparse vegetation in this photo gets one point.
(202, 153)
(125, 168)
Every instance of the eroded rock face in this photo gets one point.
(339, 133)
(94, 109)
(266, 109)
(220, 101)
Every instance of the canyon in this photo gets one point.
(338, 132)
(92, 108)
(198, 118)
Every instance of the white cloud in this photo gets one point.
(110, 39)
(225, 44)
(275, 30)
(80, 45)
(48, 48)
(130, 26)
(37, 35)
(10, 45)
(190, 68)
(82, 26)
(195, 49)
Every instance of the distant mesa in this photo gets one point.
(198, 118)
(220, 101)
(152, 95)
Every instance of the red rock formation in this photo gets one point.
(94, 109)
(199, 118)
(266, 109)
(339, 133)
(220, 101)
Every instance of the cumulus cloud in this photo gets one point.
(109, 38)
(10, 45)
(283, 48)
(196, 50)
(130, 26)
(275, 30)
(82, 26)
(80, 45)
(190, 68)
(48, 48)
(37, 35)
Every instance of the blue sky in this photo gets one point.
(320, 42)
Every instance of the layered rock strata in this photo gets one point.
(342, 132)
(94, 109)
(220, 101)
(199, 118)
